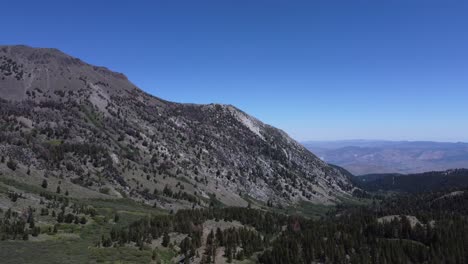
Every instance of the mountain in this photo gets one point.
(370, 157)
(88, 160)
(92, 132)
(414, 183)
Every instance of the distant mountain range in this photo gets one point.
(369, 156)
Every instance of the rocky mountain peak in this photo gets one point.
(94, 129)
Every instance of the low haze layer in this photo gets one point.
(364, 156)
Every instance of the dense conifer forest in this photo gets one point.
(414, 183)
(422, 228)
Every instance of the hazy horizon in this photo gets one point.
(319, 71)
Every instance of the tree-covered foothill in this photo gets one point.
(425, 228)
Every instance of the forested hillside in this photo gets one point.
(424, 228)
(414, 183)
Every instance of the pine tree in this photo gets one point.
(228, 253)
(219, 237)
(44, 184)
(11, 164)
(166, 240)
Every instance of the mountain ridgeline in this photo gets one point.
(362, 157)
(91, 131)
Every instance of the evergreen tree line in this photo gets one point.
(422, 228)
(358, 235)
(190, 222)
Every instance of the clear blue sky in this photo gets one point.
(394, 69)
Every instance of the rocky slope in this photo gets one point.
(91, 130)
